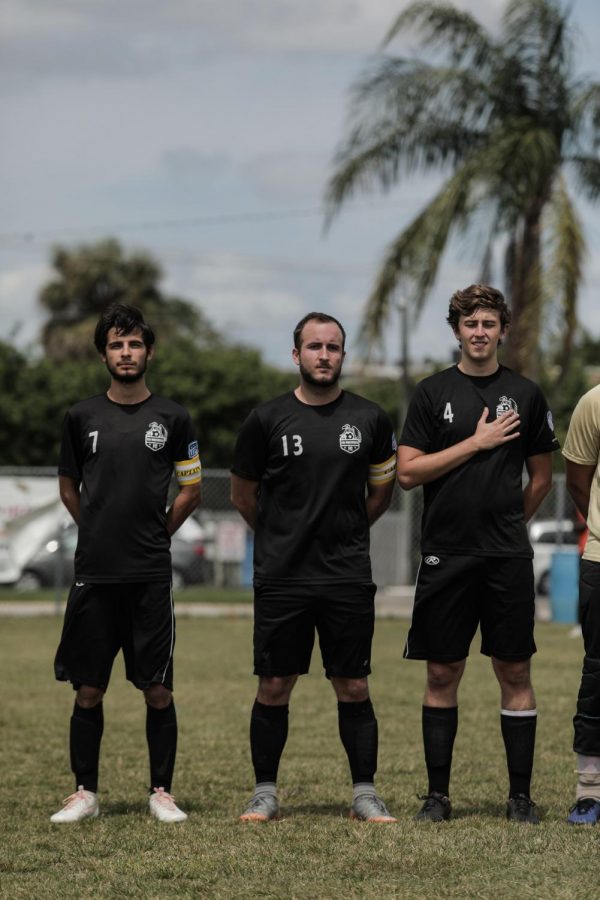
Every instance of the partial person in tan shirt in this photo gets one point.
(582, 458)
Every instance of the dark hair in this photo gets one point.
(318, 317)
(124, 319)
(477, 296)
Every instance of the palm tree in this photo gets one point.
(512, 130)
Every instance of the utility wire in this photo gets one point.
(32, 235)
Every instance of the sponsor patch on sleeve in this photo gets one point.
(192, 449)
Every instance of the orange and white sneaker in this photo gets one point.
(263, 807)
(80, 805)
(370, 808)
(163, 806)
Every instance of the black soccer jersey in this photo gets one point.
(477, 508)
(124, 456)
(313, 464)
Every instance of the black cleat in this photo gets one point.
(521, 808)
(437, 808)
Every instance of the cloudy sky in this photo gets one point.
(203, 131)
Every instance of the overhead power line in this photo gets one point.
(33, 235)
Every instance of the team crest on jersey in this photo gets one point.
(506, 404)
(156, 436)
(350, 438)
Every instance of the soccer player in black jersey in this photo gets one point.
(117, 457)
(468, 434)
(313, 469)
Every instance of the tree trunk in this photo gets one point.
(525, 283)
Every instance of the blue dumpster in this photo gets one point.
(564, 585)
(248, 563)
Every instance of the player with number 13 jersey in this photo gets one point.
(313, 463)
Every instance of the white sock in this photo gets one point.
(266, 787)
(363, 787)
(588, 781)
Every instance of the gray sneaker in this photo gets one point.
(370, 808)
(262, 808)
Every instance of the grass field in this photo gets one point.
(314, 851)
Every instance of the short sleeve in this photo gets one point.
(582, 443)
(416, 431)
(541, 437)
(184, 452)
(70, 456)
(250, 453)
(382, 465)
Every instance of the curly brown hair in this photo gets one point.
(477, 296)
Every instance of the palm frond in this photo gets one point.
(541, 43)
(406, 117)
(585, 115)
(442, 25)
(413, 258)
(587, 169)
(565, 249)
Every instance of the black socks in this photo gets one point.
(518, 731)
(439, 730)
(268, 734)
(358, 731)
(161, 734)
(85, 736)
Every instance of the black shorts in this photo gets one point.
(101, 619)
(285, 619)
(455, 594)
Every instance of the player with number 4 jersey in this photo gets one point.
(312, 471)
(469, 433)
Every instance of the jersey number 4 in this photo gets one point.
(297, 447)
(448, 414)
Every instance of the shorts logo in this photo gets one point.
(79, 583)
(506, 404)
(156, 436)
(350, 439)
(192, 449)
(431, 560)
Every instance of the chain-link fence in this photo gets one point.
(216, 547)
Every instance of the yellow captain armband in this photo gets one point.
(189, 471)
(381, 473)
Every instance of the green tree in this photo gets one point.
(512, 129)
(218, 386)
(92, 276)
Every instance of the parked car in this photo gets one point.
(546, 536)
(41, 570)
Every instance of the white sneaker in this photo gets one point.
(80, 805)
(162, 805)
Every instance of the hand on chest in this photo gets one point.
(457, 415)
